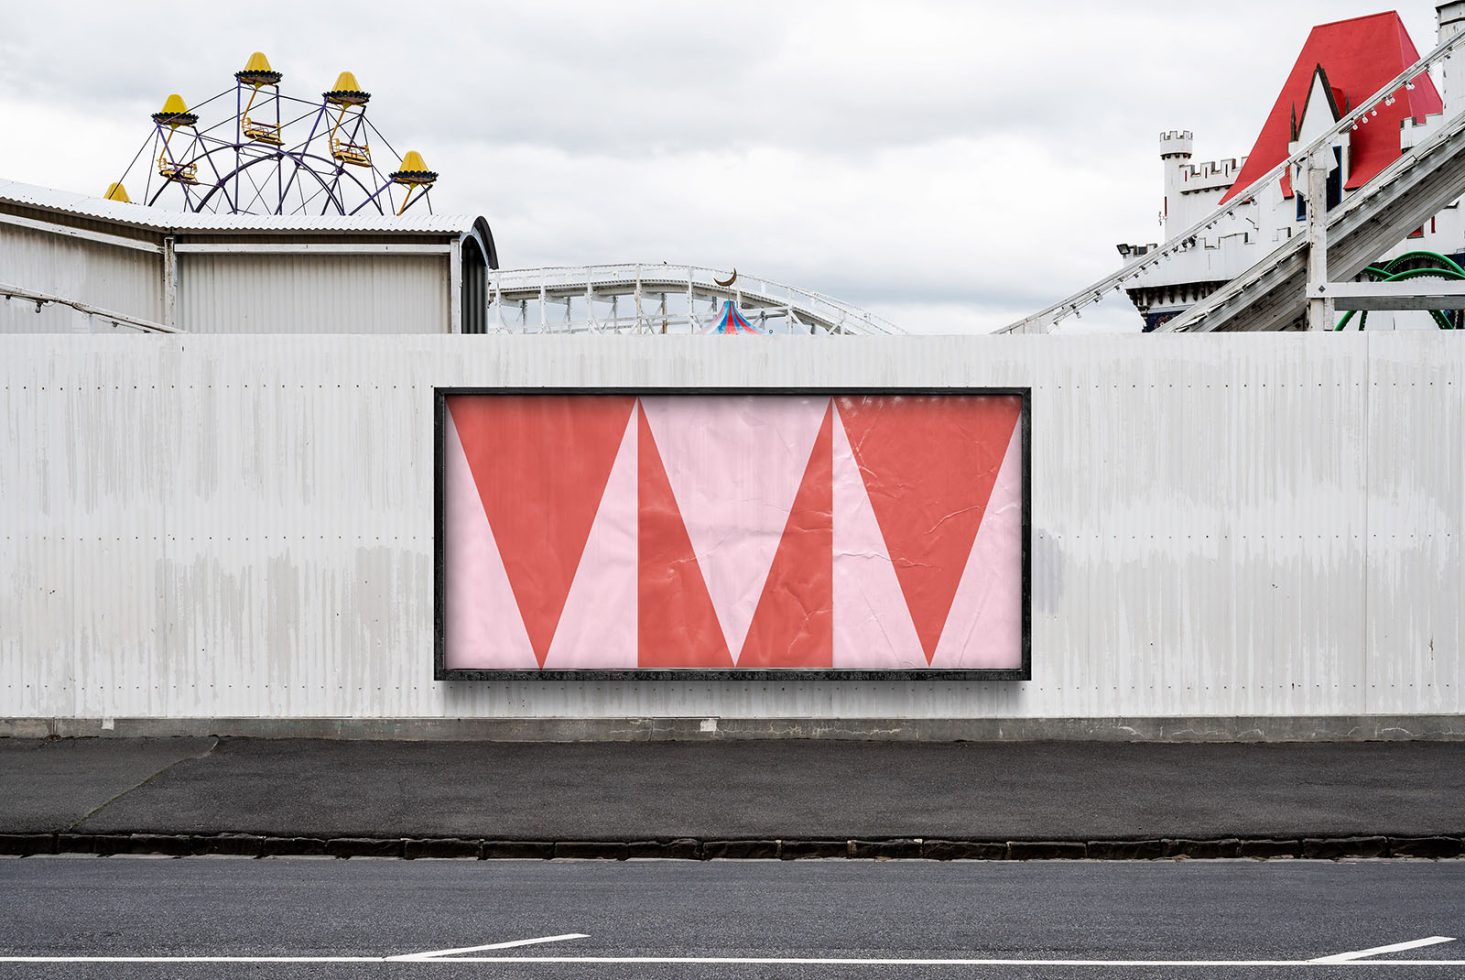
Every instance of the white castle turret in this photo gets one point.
(1176, 149)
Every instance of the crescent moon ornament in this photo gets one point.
(724, 283)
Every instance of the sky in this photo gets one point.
(951, 166)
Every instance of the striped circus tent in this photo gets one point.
(731, 321)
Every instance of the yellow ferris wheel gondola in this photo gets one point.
(412, 174)
(173, 115)
(348, 94)
(258, 74)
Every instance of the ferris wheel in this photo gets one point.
(275, 154)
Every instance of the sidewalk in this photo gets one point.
(77, 793)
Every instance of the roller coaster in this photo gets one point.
(662, 299)
(1407, 267)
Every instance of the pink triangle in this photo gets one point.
(735, 464)
(597, 630)
(984, 628)
(873, 628)
(482, 627)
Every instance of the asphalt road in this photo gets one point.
(1095, 913)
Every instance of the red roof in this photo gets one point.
(1359, 56)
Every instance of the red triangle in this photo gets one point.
(541, 463)
(793, 625)
(678, 626)
(929, 463)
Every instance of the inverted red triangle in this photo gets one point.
(677, 623)
(929, 463)
(541, 463)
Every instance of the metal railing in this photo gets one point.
(9, 293)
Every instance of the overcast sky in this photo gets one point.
(952, 166)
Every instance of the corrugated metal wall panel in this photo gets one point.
(120, 280)
(305, 293)
(81, 481)
(1222, 524)
(22, 316)
(1416, 513)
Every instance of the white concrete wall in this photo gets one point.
(1224, 525)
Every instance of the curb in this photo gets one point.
(701, 728)
(691, 849)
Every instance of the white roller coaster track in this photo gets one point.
(1271, 294)
(659, 298)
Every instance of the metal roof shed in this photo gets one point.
(69, 262)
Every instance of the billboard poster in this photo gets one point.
(673, 534)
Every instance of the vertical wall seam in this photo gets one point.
(168, 356)
(1368, 491)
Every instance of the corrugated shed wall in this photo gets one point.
(242, 526)
(305, 293)
(120, 280)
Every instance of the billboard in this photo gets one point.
(657, 534)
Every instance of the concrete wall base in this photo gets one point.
(1333, 728)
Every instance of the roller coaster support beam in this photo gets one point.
(1414, 295)
(1319, 303)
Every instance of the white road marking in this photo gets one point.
(437, 953)
(833, 961)
(730, 961)
(1359, 954)
(193, 959)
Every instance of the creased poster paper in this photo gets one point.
(732, 532)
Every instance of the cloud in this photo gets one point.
(959, 163)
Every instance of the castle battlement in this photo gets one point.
(1215, 168)
(1210, 175)
(1177, 143)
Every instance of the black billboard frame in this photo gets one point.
(441, 672)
